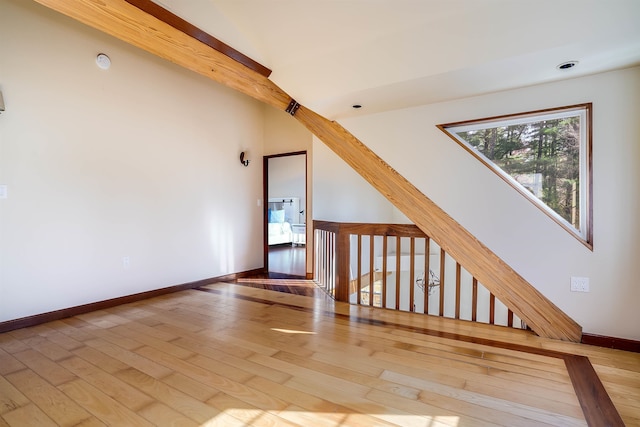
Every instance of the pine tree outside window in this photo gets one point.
(545, 155)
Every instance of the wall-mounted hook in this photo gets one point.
(242, 159)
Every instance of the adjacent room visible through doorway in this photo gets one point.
(285, 184)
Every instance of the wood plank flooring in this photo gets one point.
(288, 259)
(234, 355)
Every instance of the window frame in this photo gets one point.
(585, 234)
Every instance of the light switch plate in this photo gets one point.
(579, 284)
(3, 192)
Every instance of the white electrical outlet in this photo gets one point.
(126, 262)
(579, 284)
(3, 192)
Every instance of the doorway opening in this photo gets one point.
(285, 214)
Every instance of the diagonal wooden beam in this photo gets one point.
(132, 25)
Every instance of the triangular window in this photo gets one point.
(545, 155)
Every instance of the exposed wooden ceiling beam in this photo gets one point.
(186, 27)
(132, 25)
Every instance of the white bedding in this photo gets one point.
(280, 232)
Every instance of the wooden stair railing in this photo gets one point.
(135, 26)
(397, 266)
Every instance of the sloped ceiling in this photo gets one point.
(388, 54)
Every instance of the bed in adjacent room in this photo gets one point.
(283, 211)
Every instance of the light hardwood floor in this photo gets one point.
(233, 355)
(287, 259)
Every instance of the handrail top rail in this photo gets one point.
(367, 229)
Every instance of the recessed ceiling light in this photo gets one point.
(567, 65)
(356, 106)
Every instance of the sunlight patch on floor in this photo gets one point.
(247, 416)
(419, 420)
(292, 331)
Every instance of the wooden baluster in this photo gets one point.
(427, 275)
(327, 261)
(342, 266)
(331, 263)
(492, 309)
(474, 300)
(316, 258)
(372, 278)
(323, 253)
(384, 271)
(442, 255)
(457, 290)
(323, 258)
(334, 264)
(412, 266)
(510, 318)
(398, 272)
(320, 260)
(359, 279)
(325, 268)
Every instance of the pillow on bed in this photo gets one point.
(276, 215)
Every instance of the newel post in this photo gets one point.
(342, 265)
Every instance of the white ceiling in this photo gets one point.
(388, 54)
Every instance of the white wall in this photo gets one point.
(284, 134)
(340, 194)
(139, 161)
(535, 246)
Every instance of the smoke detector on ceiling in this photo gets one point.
(103, 61)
